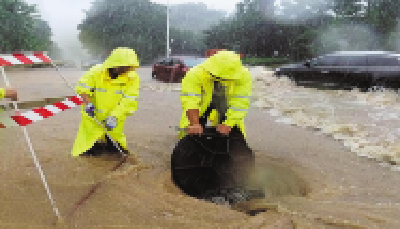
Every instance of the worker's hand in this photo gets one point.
(90, 109)
(11, 94)
(195, 129)
(110, 122)
(85, 99)
(224, 129)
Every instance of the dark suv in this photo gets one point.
(362, 69)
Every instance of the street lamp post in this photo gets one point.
(168, 29)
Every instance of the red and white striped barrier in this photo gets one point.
(38, 114)
(23, 58)
(32, 116)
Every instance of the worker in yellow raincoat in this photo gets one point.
(219, 90)
(8, 93)
(109, 92)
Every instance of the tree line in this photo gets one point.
(258, 28)
(22, 29)
(141, 24)
(302, 29)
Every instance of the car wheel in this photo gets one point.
(366, 85)
(289, 76)
(153, 75)
(293, 78)
(379, 83)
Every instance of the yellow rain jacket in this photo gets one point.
(111, 97)
(2, 93)
(198, 87)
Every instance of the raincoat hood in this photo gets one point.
(121, 57)
(224, 64)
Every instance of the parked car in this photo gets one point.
(173, 69)
(362, 69)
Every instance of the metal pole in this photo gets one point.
(35, 159)
(168, 48)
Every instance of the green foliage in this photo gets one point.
(265, 61)
(254, 33)
(141, 25)
(348, 8)
(194, 17)
(22, 29)
(186, 42)
(240, 33)
(295, 30)
(137, 24)
(383, 15)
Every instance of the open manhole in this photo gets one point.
(213, 167)
(223, 170)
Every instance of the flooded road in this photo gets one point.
(313, 177)
(366, 122)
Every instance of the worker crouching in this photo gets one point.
(214, 161)
(218, 90)
(109, 92)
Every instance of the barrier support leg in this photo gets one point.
(35, 159)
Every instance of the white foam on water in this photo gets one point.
(366, 122)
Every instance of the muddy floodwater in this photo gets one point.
(326, 159)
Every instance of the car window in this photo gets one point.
(193, 61)
(352, 61)
(172, 62)
(327, 61)
(384, 61)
